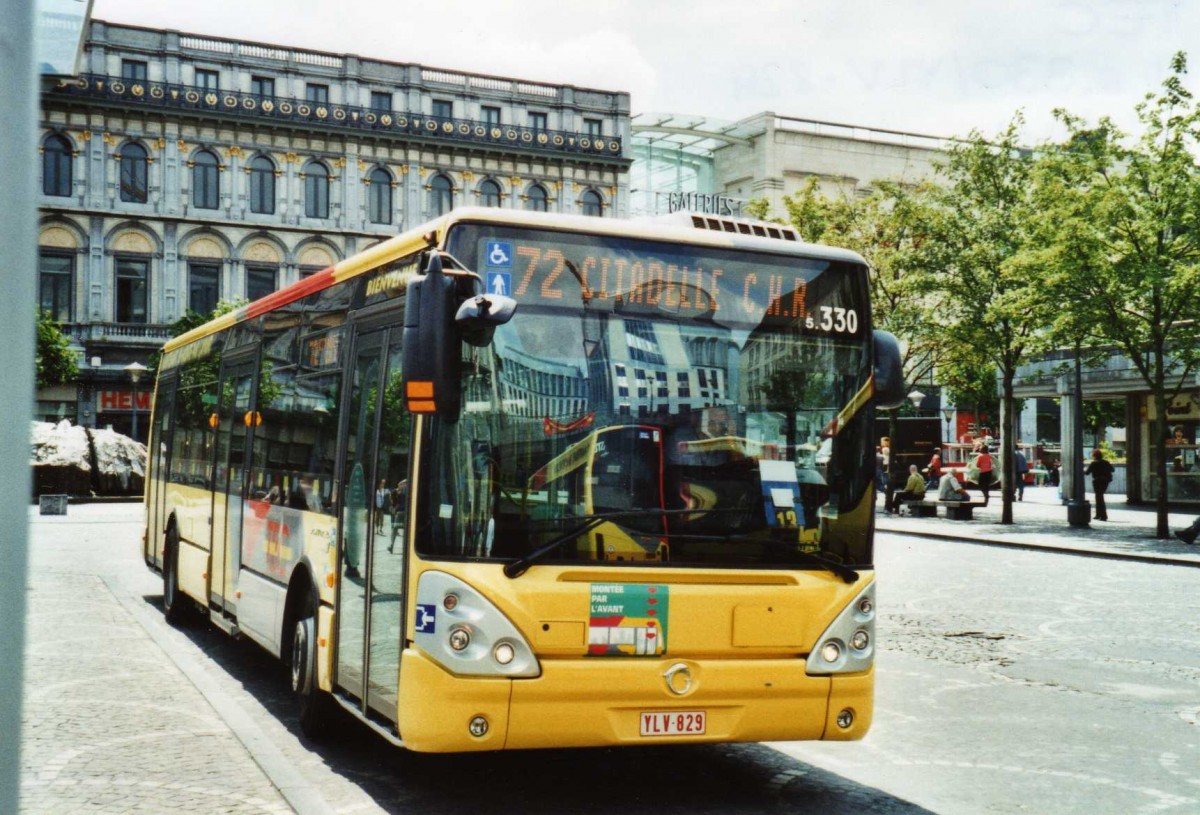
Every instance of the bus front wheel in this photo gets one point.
(311, 700)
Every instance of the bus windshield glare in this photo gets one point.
(715, 402)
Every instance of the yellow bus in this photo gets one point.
(516, 480)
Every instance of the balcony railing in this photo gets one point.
(136, 93)
(142, 333)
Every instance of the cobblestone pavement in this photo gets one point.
(110, 723)
(1041, 521)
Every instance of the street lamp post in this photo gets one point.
(135, 371)
(916, 397)
(947, 414)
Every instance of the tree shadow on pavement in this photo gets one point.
(698, 779)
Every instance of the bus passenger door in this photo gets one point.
(372, 548)
(234, 431)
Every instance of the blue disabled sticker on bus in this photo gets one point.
(426, 622)
(499, 283)
(499, 253)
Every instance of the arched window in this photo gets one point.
(134, 186)
(592, 204)
(441, 195)
(489, 193)
(316, 190)
(206, 181)
(537, 198)
(379, 196)
(56, 166)
(262, 186)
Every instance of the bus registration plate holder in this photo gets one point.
(674, 723)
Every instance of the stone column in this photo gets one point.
(1068, 418)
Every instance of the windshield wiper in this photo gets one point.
(845, 572)
(519, 566)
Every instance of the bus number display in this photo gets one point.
(834, 319)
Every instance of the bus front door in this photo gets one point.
(235, 423)
(370, 615)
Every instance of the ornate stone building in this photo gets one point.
(179, 170)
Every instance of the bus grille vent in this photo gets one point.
(739, 226)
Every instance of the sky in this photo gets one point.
(939, 67)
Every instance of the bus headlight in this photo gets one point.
(461, 630)
(854, 625)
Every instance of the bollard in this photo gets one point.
(52, 504)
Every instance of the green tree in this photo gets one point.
(979, 243)
(54, 362)
(1123, 245)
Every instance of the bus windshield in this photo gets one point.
(714, 403)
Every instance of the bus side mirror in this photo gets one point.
(478, 317)
(432, 348)
(889, 373)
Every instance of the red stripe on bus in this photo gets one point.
(309, 285)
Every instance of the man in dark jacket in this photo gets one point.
(1102, 473)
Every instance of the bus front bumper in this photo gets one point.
(600, 702)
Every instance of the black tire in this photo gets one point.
(312, 702)
(176, 607)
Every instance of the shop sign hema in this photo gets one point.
(628, 619)
(122, 401)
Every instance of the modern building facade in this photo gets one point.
(697, 163)
(180, 170)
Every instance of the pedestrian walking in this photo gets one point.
(914, 490)
(986, 467)
(1021, 465)
(889, 480)
(1102, 473)
(381, 504)
(1190, 534)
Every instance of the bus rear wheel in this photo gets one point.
(313, 702)
(175, 605)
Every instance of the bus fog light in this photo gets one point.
(830, 652)
(845, 718)
(450, 602)
(860, 640)
(478, 727)
(865, 606)
(504, 653)
(460, 638)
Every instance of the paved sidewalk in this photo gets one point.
(1040, 522)
(111, 725)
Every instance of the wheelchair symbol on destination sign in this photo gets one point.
(499, 253)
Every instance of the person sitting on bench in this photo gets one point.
(914, 490)
(950, 490)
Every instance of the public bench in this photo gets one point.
(955, 510)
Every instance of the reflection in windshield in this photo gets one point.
(712, 404)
